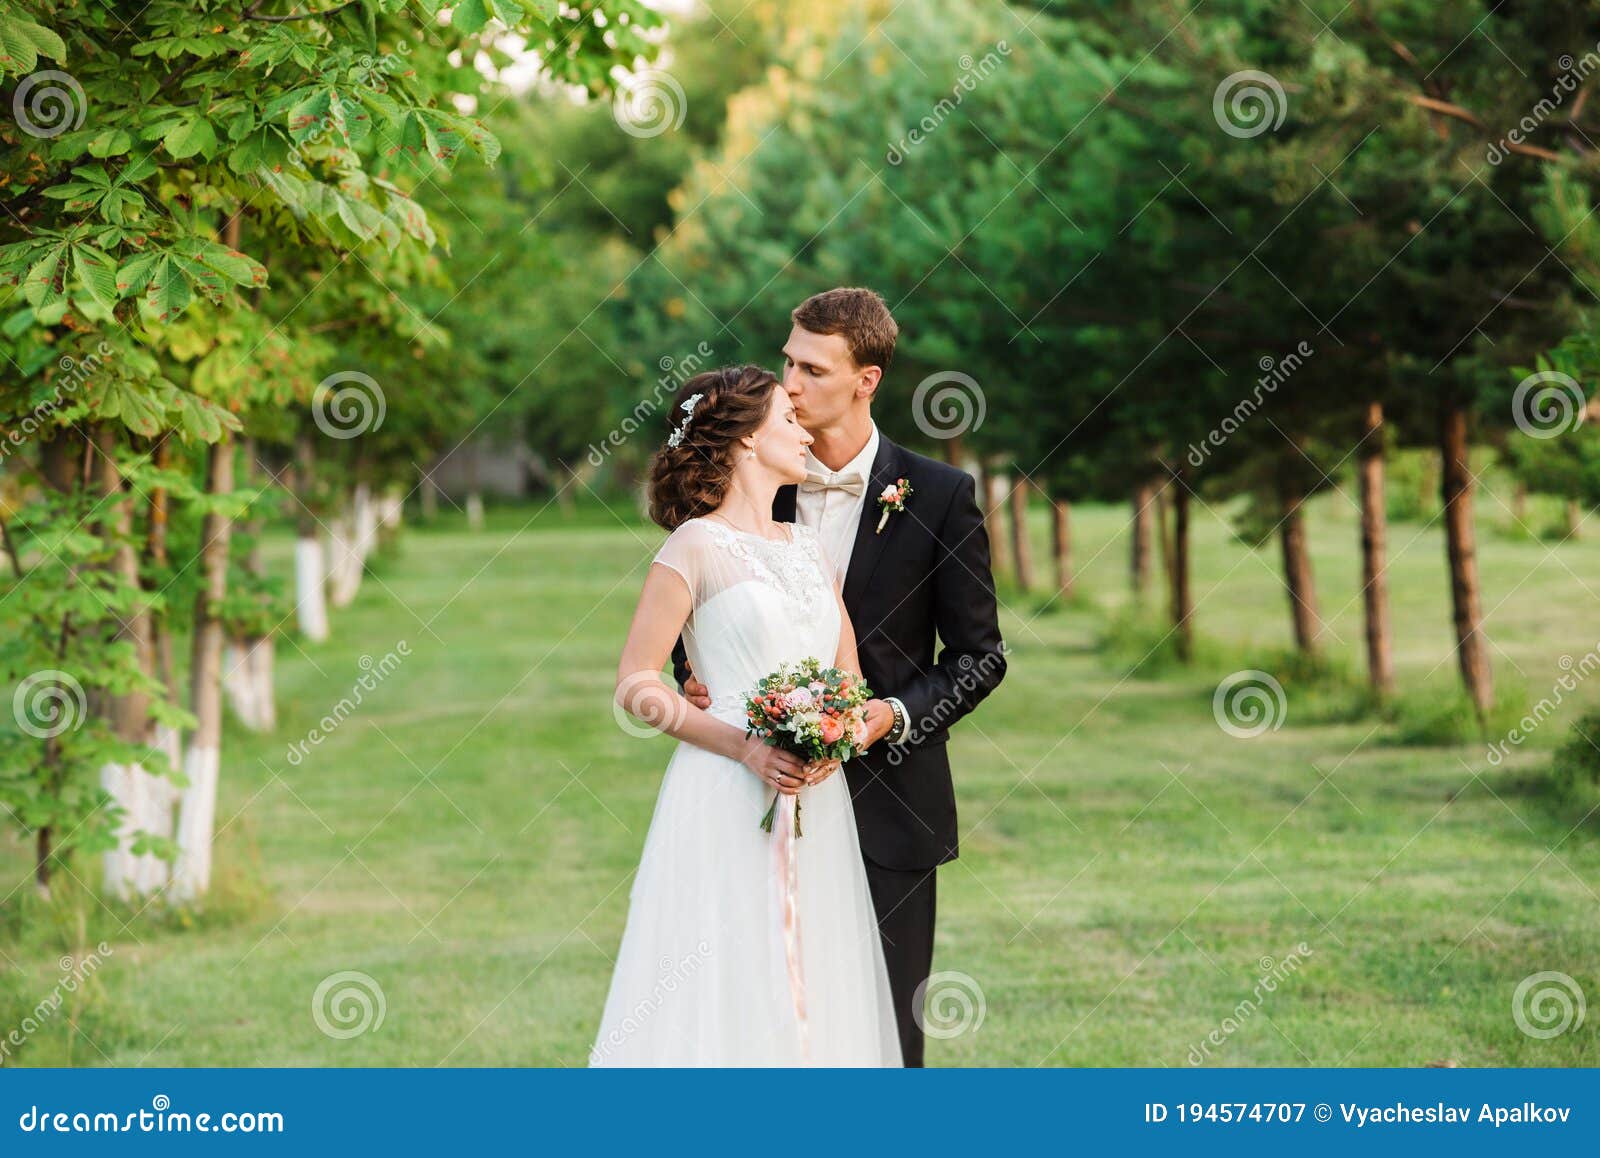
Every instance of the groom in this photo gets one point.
(921, 572)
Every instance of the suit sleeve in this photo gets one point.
(972, 658)
(680, 663)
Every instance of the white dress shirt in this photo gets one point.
(836, 516)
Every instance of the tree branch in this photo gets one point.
(254, 13)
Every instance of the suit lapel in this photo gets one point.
(869, 545)
(784, 503)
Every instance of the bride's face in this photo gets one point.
(780, 442)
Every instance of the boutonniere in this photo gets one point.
(893, 499)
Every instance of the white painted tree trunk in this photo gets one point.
(247, 679)
(344, 561)
(151, 873)
(191, 876)
(310, 584)
(197, 811)
(119, 861)
(475, 511)
(366, 521)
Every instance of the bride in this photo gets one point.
(742, 947)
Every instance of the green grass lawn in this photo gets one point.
(467, 838)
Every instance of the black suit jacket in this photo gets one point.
(925, 576)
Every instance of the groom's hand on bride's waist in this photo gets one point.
(697, 693)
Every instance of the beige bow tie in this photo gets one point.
(851, 484)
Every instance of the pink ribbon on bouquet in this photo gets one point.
(786, 880)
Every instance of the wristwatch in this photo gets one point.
(898, 731)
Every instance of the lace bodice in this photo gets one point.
(756, 603)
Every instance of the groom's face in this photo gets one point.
(822, 378)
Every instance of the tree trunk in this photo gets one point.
(201, 766)
(1182, 597)
(151, 872)
(310, 566)
(1021, 548)
(1144, 496)
(1574, 518)
(1298, 577)
(344, 554)
(1061, 545)
(1374, 555)
(474, 494)
(248, 663)
(994, 524)
(954, 451)
(1456, 491)
(430, 496)
(130, 787)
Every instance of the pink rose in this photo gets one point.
(832, 730)
(891, 494)
(798, 700)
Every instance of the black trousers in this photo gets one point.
(903, 899)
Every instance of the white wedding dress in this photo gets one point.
(745, 947)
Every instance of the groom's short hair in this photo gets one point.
(857, 315)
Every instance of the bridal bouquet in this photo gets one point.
(816, 712)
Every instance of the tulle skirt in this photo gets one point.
(745, 947)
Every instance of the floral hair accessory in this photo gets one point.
(687, 407)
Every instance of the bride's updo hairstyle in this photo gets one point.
(689, 477)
